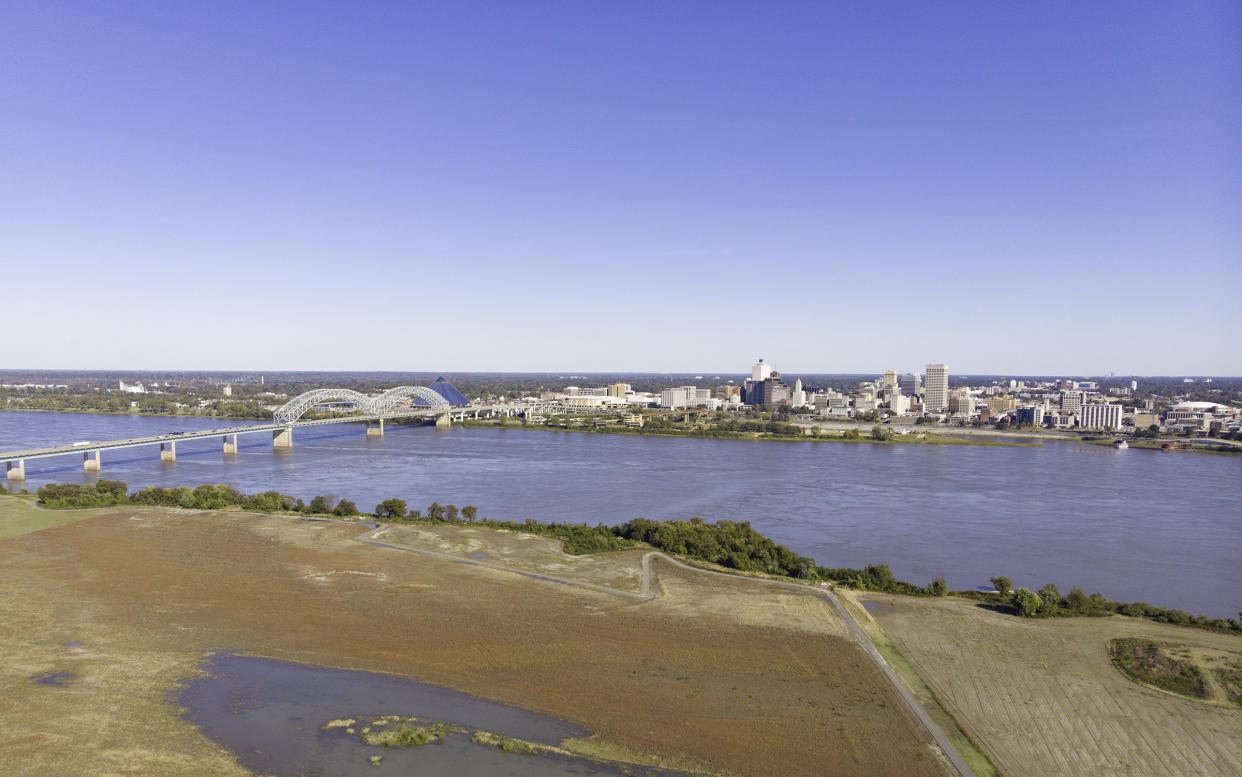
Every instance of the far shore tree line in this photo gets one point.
(731, 544)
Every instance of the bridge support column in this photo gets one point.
(444, 421)
(283, 438)
(168, 451)
(230, 447)
(91, 463)
(377, 430)
(15, 470)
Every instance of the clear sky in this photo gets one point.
(1036, 188)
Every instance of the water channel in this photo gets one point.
(1134, 525)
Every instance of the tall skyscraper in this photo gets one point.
(890, 379)
(936, 388)
(760, 371)
(911, 384)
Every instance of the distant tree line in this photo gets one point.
(731, 544)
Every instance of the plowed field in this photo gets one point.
(1045, 699)
(717, 673)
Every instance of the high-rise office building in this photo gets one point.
(760, 371)
(936, 388)
(890, 379)
(1071, 401)
(911, 384)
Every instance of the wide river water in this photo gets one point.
(1134, 525)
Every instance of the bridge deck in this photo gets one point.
(61, 450)
(413, 412)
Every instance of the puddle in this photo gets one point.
(478, 555)
(878, 606)
(57, 679)
(274, 717)
(73, 644)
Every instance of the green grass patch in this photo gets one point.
(1229, 677)
(1149, 663)
(504, 743)
(407, 734)
(19, 516)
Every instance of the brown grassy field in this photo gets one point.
(719, 673)
(1045, 698)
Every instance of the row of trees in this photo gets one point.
(733, 544)
(1048, 602)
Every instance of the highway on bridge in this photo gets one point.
(61, 450)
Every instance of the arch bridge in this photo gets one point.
(383, 405)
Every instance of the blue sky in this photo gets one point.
(1032, 188)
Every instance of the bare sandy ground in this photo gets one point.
(718, 673)
(1044, 698)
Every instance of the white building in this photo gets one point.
(1099, 416)
(760, 371)
(688, 396)
(132, 388)
(593, 400)
(936, 389)
(797, 398)
(899, 404)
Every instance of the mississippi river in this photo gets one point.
(1135, 525)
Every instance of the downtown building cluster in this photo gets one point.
(911, 397)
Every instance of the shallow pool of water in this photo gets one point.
(272, 715)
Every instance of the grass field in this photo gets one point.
(18, 515)
(1043, 695)
(719, 673)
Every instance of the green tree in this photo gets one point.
(1077, 601)
(1002, 584)
(879, 433)
(938, 587)
(345, 508)
(435, 512)
(1050, 598)
(469, 512)
(390, 508)
(318, 505)
(1026, 602)
(450, 513)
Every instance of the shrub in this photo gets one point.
(1050, 599)
(1026, 602)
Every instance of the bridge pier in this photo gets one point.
(15, 470)
(283, 438)
(91, 463)
(168, 451)
(375, 431)
(230, 447)
(444, 421)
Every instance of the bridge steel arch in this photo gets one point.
(392, 397)
(297, 407)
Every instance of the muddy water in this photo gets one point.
(271, 716)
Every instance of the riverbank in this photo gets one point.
(714, 434)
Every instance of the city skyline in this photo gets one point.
(517, 187)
